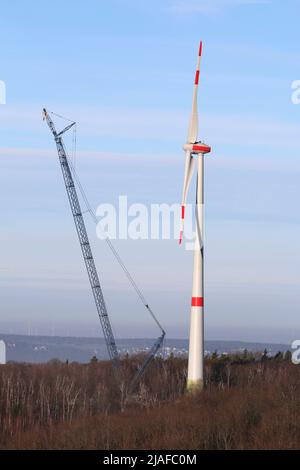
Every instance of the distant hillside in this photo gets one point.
(38, 349)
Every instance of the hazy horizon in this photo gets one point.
(212, 334)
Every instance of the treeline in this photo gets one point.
(250, 401)
(246, 356)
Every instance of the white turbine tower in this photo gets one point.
(2, 352)
(195, 150)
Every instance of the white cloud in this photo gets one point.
(228, 135)
(158, 125)
(106, 121)
(258, 161)
(30, 154)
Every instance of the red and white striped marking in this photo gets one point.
(200, 49)
(180, 237)
(182, 222)
(197, 75)
(197, 302)
(191, 146)
(193, 127)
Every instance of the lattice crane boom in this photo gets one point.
(84, 240)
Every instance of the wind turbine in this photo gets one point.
(195, 150)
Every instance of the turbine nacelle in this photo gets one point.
(197, 147)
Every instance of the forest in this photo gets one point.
(250, 401)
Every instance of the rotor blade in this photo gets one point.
(188, 173)
(193, 127)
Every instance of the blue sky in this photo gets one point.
(124, 71)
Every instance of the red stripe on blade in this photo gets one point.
(197, 77)
(200, 49)
(180, 238)
(197, 301)
(182, 212)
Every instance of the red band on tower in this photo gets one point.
(197, 301)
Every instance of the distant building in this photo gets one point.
(2, 352)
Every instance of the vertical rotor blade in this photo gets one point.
(193, 127)
(188, 173)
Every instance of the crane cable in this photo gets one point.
(107, 240)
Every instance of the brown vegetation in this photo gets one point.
(247, 404)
